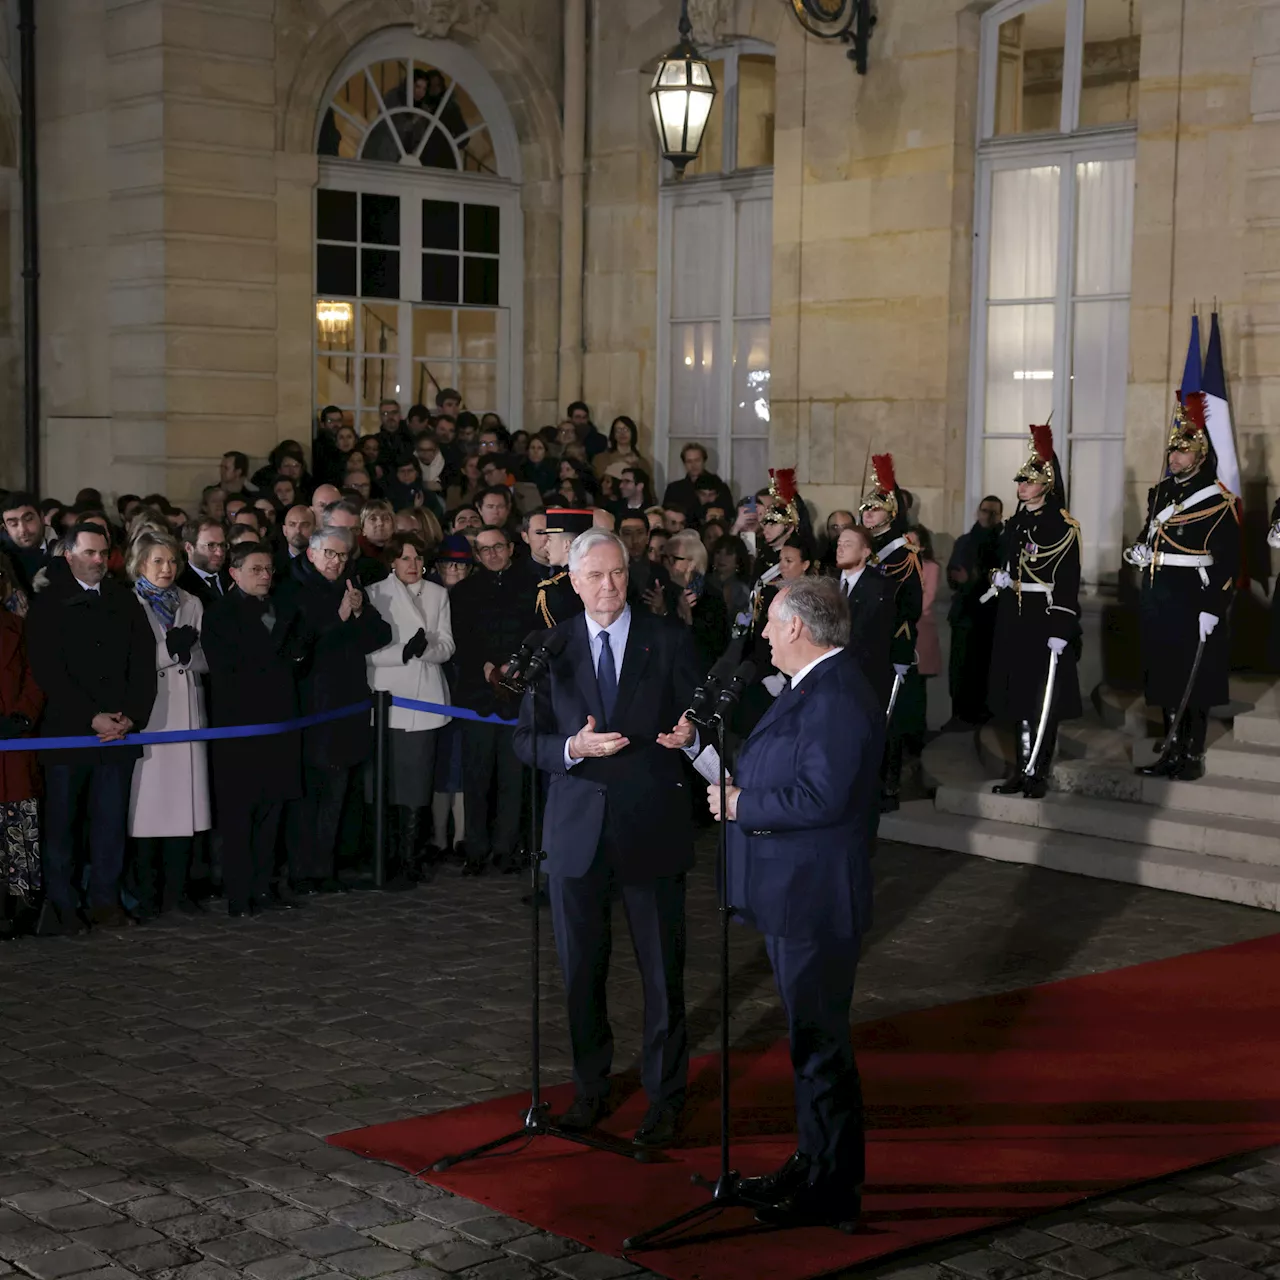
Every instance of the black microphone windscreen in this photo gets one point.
(745, 673)
(722, 670)
(531, 640)
(556, 642)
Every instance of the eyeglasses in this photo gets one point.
(388, 413)
(491, 548)
(211, 546)
(334, 555)
(489, 445)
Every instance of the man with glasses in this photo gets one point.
(205, 544)
(491, 611)
(344, 628)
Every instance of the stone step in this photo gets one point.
(1239, 839)
(1233, 797)
(919, 823)
(1258, 728)
(1229, 758)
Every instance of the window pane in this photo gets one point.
(357, 100)
(710, 157)
(1000, 462)
(1112, 47)
(439, 224)
(335, 269)
(754, 253)
(694, 380)
(379, 325)
(1096, 499)
(697, 241)
(1104, 234)
(751, 378)
(335, 381)
(1019, 367)
(380, 273)
(478, 334)
(462, 121)
(439, 277)
(433, 333)
(369, 424)
(429, 377)
(1101, 370)
(1029, 75)
(480, 282)
(477, 384)
(750, 469)
(755, 110)
(377, 381)
(380, 219)
(336, 215)
(480, 228)
(1024, 232)
(478, 155)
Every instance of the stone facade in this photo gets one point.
(178, 162)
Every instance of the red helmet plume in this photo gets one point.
(1042, 439)
(882, 465)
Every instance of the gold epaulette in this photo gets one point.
(541, 602)
(1070, 519)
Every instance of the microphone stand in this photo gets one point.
(724, 1190)
(536, 1122)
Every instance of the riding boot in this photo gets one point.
(400, 840)
(891, 775)
(1023, 738)
(1037, 784)
(1192, 730)
(1172, 751)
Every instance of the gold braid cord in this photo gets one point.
(1165, 540)
(1046, 560)
(900, 572)
(542, 602)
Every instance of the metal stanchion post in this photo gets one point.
(381, 716)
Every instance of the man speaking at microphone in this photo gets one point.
(801, 809)
(610, 728)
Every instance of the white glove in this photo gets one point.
(1058, 645)
(1207, 623)
(775, 684)
(1139, 555)
(1001, 580)
(901, 669)
(1273, 537)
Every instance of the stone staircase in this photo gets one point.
(1216, 838)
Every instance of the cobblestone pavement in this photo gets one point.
(165, 1091)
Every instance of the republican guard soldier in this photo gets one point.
(556, 599)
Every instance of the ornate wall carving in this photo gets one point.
(438, 19)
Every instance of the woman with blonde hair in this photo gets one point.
(704, 611)
(169, 800)
(423, 523)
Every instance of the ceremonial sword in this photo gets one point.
(1030, 770)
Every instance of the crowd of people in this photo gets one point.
(413, 561)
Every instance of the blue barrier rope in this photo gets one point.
(458, 713)
(188, 735)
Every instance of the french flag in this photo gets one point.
(1218, 410)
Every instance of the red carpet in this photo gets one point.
(978, 1113)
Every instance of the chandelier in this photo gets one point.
(333, 319)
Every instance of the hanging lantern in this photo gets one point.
(681, 96)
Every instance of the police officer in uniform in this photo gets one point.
(1037, 618)
(1189, 558)
(556, 599)
(895, 555)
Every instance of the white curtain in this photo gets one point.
(754, 258)
(697, 241)
(1024, 233)
(1104, 226)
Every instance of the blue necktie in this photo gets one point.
(607, 677)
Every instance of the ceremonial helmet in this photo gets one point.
(1041, 464)
(785, 495)
(884, 496)
(1189, 433)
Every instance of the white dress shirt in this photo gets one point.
(617, 633)
(804, 671)
(849, 579)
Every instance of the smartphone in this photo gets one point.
(697, 584)
(752, 504)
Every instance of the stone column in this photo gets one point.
(571, 200)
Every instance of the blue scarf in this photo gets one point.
(163, 601)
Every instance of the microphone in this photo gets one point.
(703, 706)
(540, 663)
(519, 661)
(736, 687)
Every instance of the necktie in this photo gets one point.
(607, 677)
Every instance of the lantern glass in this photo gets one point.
(682, 95)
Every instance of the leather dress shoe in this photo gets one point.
(769, 1188)
(1190, 769)
(1165, 767)
(659, 1127)
(815, 1205)
(585, 1113)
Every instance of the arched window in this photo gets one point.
(715, 253)
(1054, 242)
(418, 272)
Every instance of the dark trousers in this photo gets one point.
(582, 915)
(161, 863)
(248, 848)
(489, 766)
(313, 823)
(74, 792)
(815, 980)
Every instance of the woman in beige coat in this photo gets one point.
(410, 667)
(169, 801)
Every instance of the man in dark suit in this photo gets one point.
(871, 609)
(253, 649)
(205, 575)
(94, 654)
(618, 821)
(801, 810)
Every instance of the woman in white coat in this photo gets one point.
(410, 667)
(169, 801)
